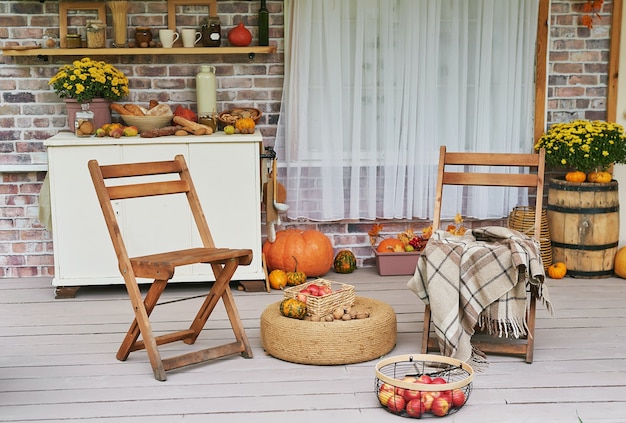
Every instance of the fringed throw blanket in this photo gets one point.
(478, 279)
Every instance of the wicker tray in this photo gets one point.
(343, 296)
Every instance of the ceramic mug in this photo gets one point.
(168, 37)
(190, 37)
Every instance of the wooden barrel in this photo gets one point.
(584, 226)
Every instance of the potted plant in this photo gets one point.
(90, 81)
(583, 207)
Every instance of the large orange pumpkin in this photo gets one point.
(309, 249)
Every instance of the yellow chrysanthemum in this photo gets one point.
(87, 79)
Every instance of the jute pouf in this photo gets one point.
(330, 343)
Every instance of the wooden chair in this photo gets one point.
(119, 182)
(476, 176)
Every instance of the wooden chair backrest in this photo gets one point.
(476, 176)
(130, 185)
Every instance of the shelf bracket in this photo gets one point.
(251, 56)
(43, 57)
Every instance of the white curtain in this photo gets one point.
(374, 87)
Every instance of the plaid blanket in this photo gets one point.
(478, 279)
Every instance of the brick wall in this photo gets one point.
(30, 112)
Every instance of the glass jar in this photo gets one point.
(83, 124)
(73, 41)
(96, 34)
(143, 36)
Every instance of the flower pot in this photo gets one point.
(99, 107)
(583, 218)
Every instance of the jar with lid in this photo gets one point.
(96, 34)
(83, 124)
(211, 32)
(143, 36)
(73, 41)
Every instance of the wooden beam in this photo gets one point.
(613, 74)
(541, 68)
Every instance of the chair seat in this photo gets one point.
(162, 265)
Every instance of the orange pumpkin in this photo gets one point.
(557, 270)
(278, 279)
(390, 245)
(575, 176)
(310, 250)
(599, 177)
(245, 125)
(620, 263)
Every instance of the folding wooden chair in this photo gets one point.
(124, 181)
(476, 176)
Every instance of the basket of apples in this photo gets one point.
(423, 385)
(322, 296)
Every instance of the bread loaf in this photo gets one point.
(118, 108)
(160, 110)
(134, 109)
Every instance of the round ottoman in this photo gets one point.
(330, 343)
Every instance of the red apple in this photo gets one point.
(410, 379)
(301, 297)
(385, 392)
(415, 408)
(440, 406)
(447, 395)
(410, 394)
(427, 400)
(396, 403)
(424, 379)
(439, 380)
(458, 398)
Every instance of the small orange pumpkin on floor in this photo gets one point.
(557, 270)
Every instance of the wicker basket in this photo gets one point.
(398, 377)
(230, 117)
(522, 219)
(343, 296)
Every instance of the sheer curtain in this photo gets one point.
(374, 87)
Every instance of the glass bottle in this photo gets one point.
(211, 32)
(83, 123)
(263, 21)
(206, 92)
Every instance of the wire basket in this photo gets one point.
(423, 385)
(522, 219)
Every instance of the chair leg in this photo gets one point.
(530, 340)
(236, 323)
(128, 344)
(141, 324)
(426, 333)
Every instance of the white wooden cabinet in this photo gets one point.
(224, 167)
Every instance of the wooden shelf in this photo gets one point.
(250, 50)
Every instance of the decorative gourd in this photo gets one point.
(599, 177)
(557, 270)
(278, 279)
(575, 176)
(245, 125)
(240, 36)
(345, 262)
(310, 248)
(290, 307)
(295, 278)
(620, 263)
(390, 245)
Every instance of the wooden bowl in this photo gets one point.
(145, 123)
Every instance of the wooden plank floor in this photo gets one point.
(57, 361)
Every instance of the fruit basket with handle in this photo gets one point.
(342, 295)
(423, 385)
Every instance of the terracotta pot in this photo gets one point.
(99, 107)
(239, 36)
